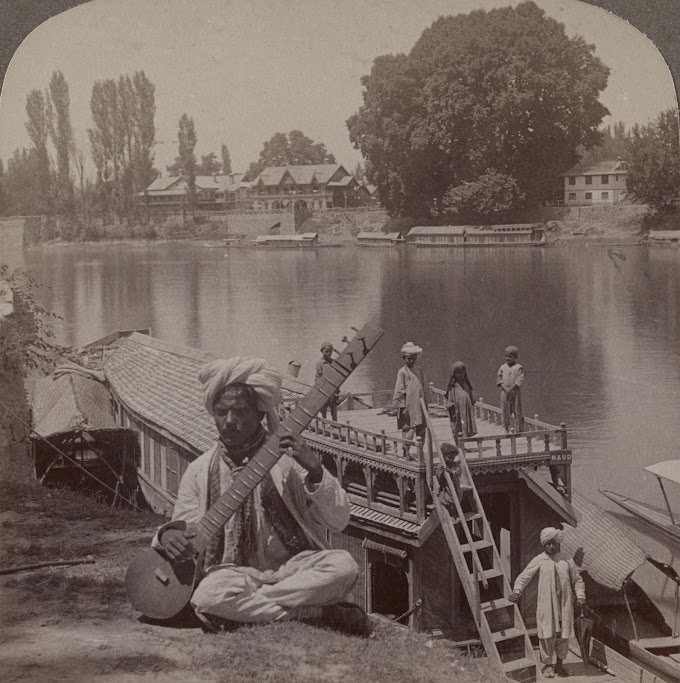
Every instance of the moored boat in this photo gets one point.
(662, 654)
(666, 520)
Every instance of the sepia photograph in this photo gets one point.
(339, 341)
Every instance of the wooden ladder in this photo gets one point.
(478, 564)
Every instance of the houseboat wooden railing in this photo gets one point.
(379, 472)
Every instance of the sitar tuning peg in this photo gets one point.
(353, 328)
(344, 340)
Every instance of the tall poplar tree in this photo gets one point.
(186, 145)
(61, 133)
(39, 113)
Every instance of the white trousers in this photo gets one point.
(313, 578)
(549, 647)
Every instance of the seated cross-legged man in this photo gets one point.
(271, 561)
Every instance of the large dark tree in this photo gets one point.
(502, 92)
(653, 176)
(293, 149)
(209, 165)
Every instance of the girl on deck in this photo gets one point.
(459, 402)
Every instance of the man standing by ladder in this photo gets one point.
(558, 580)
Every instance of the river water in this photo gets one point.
(598, 328)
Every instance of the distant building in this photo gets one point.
(213, 193)
(317, 186)
(600, 183)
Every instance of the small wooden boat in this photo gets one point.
(662, 654)
(663, 520)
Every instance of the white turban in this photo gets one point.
(549, 534)
(255, 372)
(411, 348)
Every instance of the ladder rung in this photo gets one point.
(477, 545)
(498, 603)
(492, 573)
(468, 516)
(516, 664)
(507, 634)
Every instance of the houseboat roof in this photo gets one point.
(512, 227)
(379, 236)
(440, 230)
(159, 382)
(599, 168)
(302, 237)
(664, 235)
(71, 402)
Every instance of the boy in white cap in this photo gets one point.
(408, 391)
(510, 379)
(558, 580)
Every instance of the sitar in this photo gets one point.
(161, 589)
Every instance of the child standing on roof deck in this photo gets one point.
(510, 379)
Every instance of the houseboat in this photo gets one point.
(380, 239)
(425, 563)
(670, 238)
(517, 235)
(304, 240)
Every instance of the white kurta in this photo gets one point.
(275, 585)
(548, 609)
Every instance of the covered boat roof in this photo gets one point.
(600, 544)
(379, 236)
(297, 237)
(669, 469)
(71, 402)
(159, 382)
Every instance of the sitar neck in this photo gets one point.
(246, 479)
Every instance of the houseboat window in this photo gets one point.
(572, 195)
(605, 195)
(146, 454)
(389, 585)
(616, 178)
(589, 195)
(572, 180)
(589, 180)
(605, 179)
(171, 470)
(157, 462)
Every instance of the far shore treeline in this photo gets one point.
(475, 124)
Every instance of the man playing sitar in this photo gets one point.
(271, 561)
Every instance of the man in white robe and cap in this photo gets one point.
(271, 561)
(409, 389)
(558, 580)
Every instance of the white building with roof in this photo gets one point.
(314, 186)
(600, 183)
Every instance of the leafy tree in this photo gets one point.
(490, 198)
(505, 89)
(61, 133)
(209, 165)
(614, 145)
(5, 208)
(186, 144)
(359, 172)
(39, 113)
(653, 176)
(292, 149)
(226, 160)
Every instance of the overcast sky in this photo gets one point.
(246, 69)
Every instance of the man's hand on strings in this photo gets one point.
(295, 446)
(177, 543)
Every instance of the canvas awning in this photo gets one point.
(601, 545)
(668, 469)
